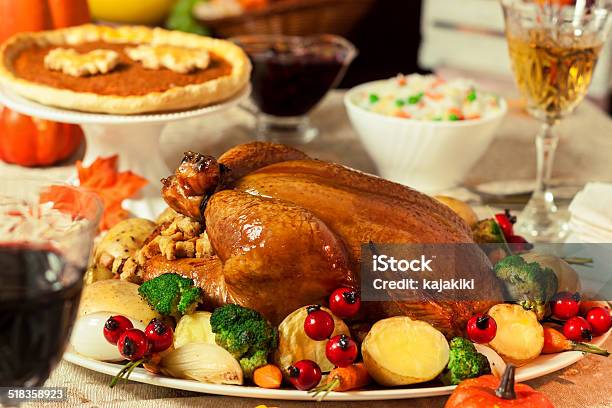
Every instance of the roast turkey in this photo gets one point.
(287, 230)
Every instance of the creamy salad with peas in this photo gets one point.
(428, 97)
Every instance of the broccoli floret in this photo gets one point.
(488, 232)
(464, 362)
(528, 284)
(171, 294)
(246, 334)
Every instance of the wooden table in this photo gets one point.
(584, 154)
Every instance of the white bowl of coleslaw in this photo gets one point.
(422, 131)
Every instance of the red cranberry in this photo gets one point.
(159, 335)
(319, 324)
(599, 319)
(578, 329)
(133, 344)
(341, 350)
(304, 375)
(566, 305)
(481, 329)
(115, 326)
(344, 302)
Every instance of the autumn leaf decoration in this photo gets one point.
(103, 178)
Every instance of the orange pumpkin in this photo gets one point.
(66, 13)
(34, 142)
(23, 15)
(25, 140)
(489, 392)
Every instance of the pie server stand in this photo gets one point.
(135, 138)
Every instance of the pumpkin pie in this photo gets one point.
(122, 70)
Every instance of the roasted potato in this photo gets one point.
(520, 337)
(96, 273)
(463, 209)
(194, 328)
(117, 297)
(401, 351)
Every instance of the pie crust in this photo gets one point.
(178, 92)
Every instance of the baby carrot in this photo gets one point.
(268, 376)
(556, 342)
(344, 379)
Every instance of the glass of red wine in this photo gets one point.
(291, 75)
(46, 236)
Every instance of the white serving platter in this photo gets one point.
(543, 365)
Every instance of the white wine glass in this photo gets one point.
(553, 47)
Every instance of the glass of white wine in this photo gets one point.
(553, 47)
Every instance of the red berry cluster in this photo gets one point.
(506, 222)
(319, 325)
(134, 344)
(594, 322)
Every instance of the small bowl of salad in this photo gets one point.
(422, 130)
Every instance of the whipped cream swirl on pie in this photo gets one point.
(70, 62)
(178, 59)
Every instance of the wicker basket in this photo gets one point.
(294, 17)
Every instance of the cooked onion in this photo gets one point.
(203, 362)
(498, 365)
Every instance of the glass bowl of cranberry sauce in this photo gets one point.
(290, 76)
